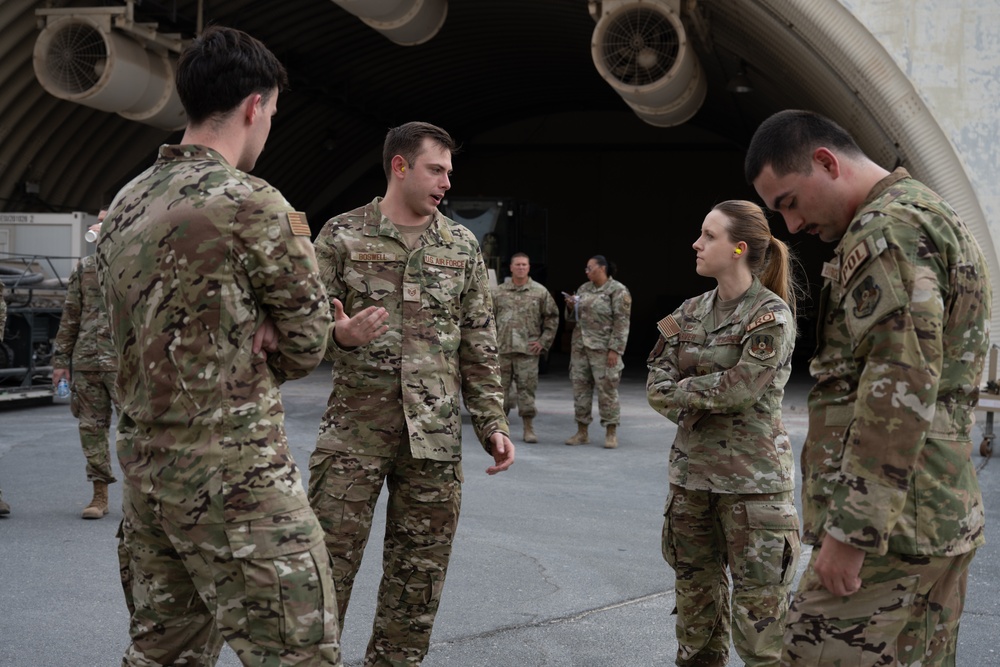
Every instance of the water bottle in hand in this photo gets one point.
(62, 389)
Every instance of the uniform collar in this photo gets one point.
(182, 152)
(749, 298)
(376, 224)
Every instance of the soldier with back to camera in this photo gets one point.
(214, 300)
(84, 340)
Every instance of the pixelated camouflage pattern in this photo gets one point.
(91, 402)
(440, 346)
(519, 375)
(525, 314)
(601, 315)
(709, 379)
(756, 538)
(903, 335)
(84, 336)
(589, 372)
(193, 256)
(265, 586)
(906, 614)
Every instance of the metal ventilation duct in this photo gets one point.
(405, 22)
(80, 59)
(641, 49)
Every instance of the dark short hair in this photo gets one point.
(407, 140)
(520, 254)
(220, 68)
(786, 141)
(609, 267)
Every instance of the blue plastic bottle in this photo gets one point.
(62, 389)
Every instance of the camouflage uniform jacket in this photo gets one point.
(84, 335)
(524, 314)
(193, 256)
(903, 334)
(722, 383)
(602, 316)
(441, 338)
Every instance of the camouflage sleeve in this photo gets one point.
(477, 355)
(550, 321)
(664, 370)
(69, 322)
(767, 347)
(281, 266)
(621, 312)
(331, 273)
(894, 316)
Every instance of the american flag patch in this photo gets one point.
(668, 326)
(297, 221)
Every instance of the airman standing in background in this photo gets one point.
(601, 309)
(84, 339)
(527, 319)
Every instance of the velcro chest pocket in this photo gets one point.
(374, 280)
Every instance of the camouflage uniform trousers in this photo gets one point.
(265, 586)
(425, 497)
(756, 536)
(91, 402)
(588, 369)
(521, 371)
(906, 613)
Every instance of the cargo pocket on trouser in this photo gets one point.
(423, 517)
(861, 629)
(287, 587)
(340, 497)
(773, 545)
(667, 537)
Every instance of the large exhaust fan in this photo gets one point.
(80, 57)
(641, 49)
(405, 22)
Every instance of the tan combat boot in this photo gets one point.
(581, 437)
(4, 508)
(611, 437)
(529, 432)
(98, 507)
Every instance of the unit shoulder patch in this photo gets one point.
(761, 346)
(668, 326)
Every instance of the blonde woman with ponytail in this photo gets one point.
(718, 371)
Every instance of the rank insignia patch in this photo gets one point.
(762, 346)
(866, 296)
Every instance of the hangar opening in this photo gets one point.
(617, 123)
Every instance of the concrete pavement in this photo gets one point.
(557, 562)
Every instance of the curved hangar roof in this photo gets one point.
(480, 65)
